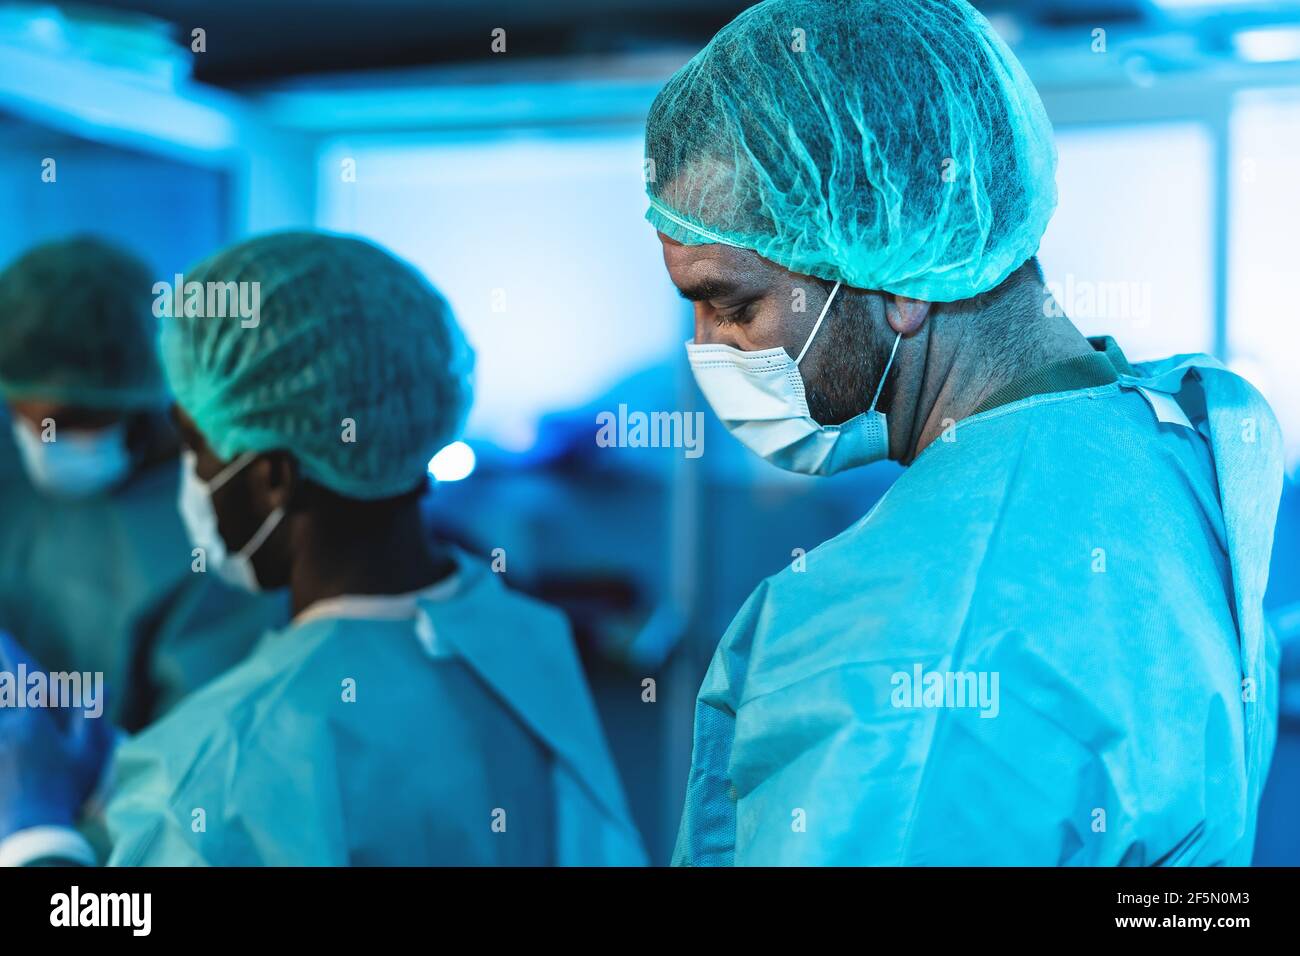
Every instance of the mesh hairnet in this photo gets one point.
(894, 145)
(77, 327)
(355, 364)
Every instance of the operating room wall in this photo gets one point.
(168, 213)
(532, 235)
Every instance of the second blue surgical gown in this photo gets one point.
(104, 584)
(438, 728)
(1103, 554)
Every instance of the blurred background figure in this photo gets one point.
(499, 148)
(94, 561)
(415, 712)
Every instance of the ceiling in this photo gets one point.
(255, 41)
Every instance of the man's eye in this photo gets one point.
(734, 316)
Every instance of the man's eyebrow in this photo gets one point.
(712, 288)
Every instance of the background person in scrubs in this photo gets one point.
(1045, 645)
(416, 711)
(94, 562)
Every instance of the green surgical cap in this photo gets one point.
(77, 327)
(894, 145)
(351, 360)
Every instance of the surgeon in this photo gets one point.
(1045, 644)
(416, 711)
(95, 569)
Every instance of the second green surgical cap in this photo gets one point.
(77, 327)
(338, 353)
(894, 145)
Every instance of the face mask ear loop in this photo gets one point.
(888, 365)
(268, 528)
(813, 334)
(232, 469)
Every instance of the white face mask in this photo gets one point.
(77, 464)
(760, 397)
(201, 522)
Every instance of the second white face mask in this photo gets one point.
(200, 519)
(76, 464)
(760, 398)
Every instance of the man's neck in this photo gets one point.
(963, 358)
(392, 558)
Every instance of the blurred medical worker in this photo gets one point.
(1045, 644)
(416, 711)
(94, 561)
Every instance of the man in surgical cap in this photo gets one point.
(94, 562)
(415, 711)
(1045, 644)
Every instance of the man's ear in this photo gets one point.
(905, 315)
(273, 479)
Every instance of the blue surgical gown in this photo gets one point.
(1104, 553)
(104, 584)
(461, 733)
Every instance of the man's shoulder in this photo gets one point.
(1019, 530)
(264, 688)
